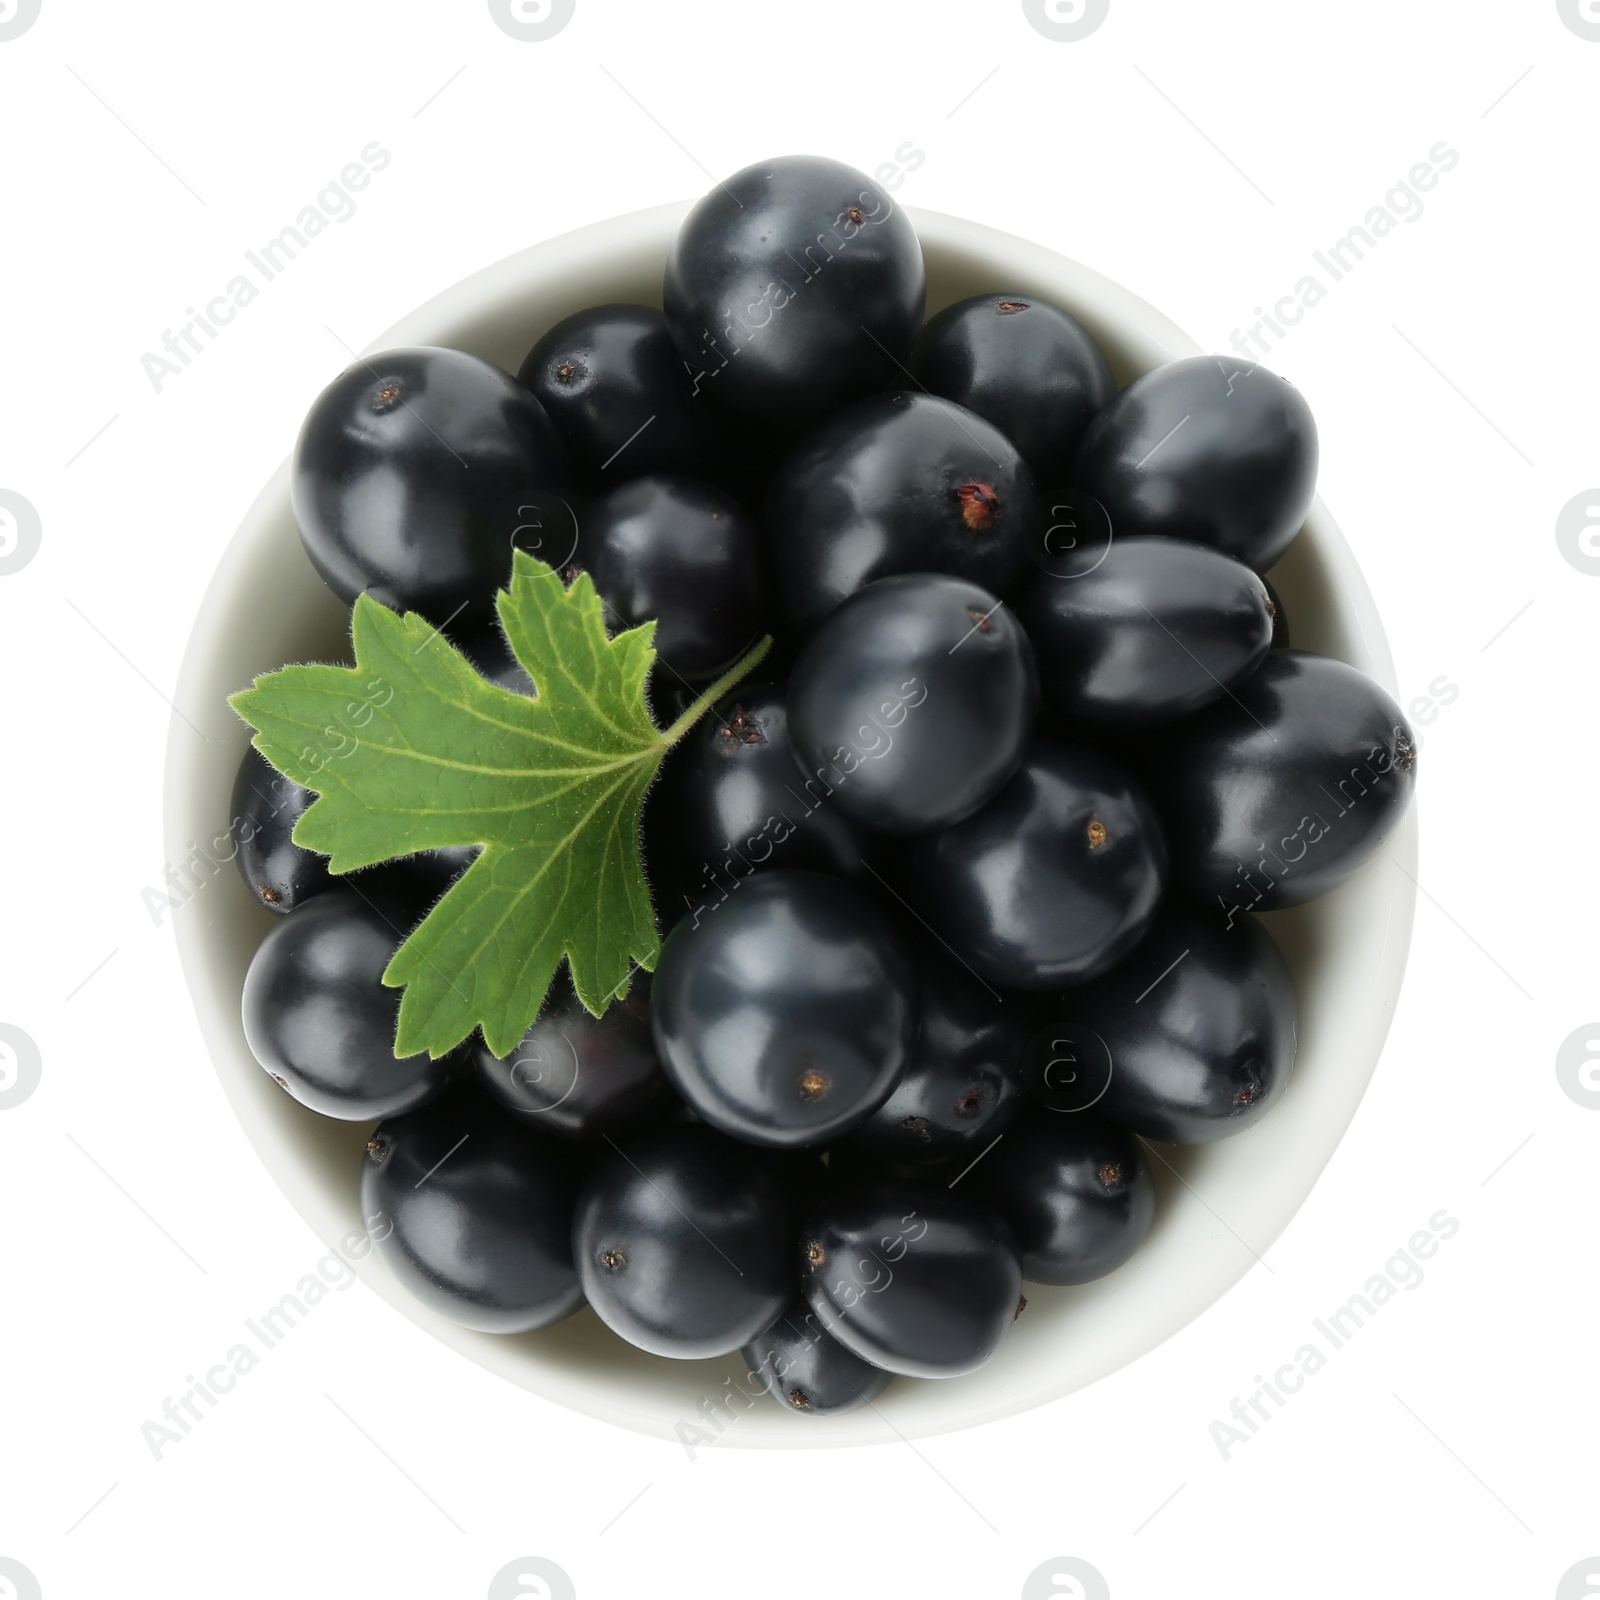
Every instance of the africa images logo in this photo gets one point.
(16, 17)
(20, 532)
(1578, 532)
(532, 21)
(531, 1578)
(1582, 17)
(1066, 21)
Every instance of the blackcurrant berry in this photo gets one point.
(1076, 1190)
(684, 1240)
(318, 1017)
(473, 1213)
(1280, 790)
(1209, 448)
(1280, 618)
(431, 872)
(736, 801)
(795, 284)
(898, 483)
(806, 1370)
(784, 1013)
(581, 1076)
(1199, 1025)
(621, 398)
(1052, 882)
(266, 805)
(914, 1280)
(413, 472)
(963, 1083)
(488, 649)
(684, 555)
(914, 701)
(1143, 631)
(1022, 364)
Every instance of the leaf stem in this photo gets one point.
(709, 697)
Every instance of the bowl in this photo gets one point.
(1347, 951)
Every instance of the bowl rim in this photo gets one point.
(461, 315)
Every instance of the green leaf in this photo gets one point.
(411, 750)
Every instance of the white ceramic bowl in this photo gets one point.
(266, 607)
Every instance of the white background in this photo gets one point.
(1198, 153)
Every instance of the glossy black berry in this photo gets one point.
(915, 1280)
(488, 649)
(898, 483)
(619, 394)
(1053, 881)
(736, 801)
(580, 1076)
(851, 1166)
(431, 872)
(1198, 1024)
(1143, 631)
(808, 1371)
(1023, 364)
(684, 555)
(1281, 639)
(915, 701)
(1283, 788)
(684, 1240)
(963, 1083)
(413, 473)
(473, 1213)
(1209, 448)
(1076, 1190)
(784, 1013)
(318, 1017)
(265, 807)
(793, 285)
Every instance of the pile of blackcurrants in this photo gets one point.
(957, 906)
